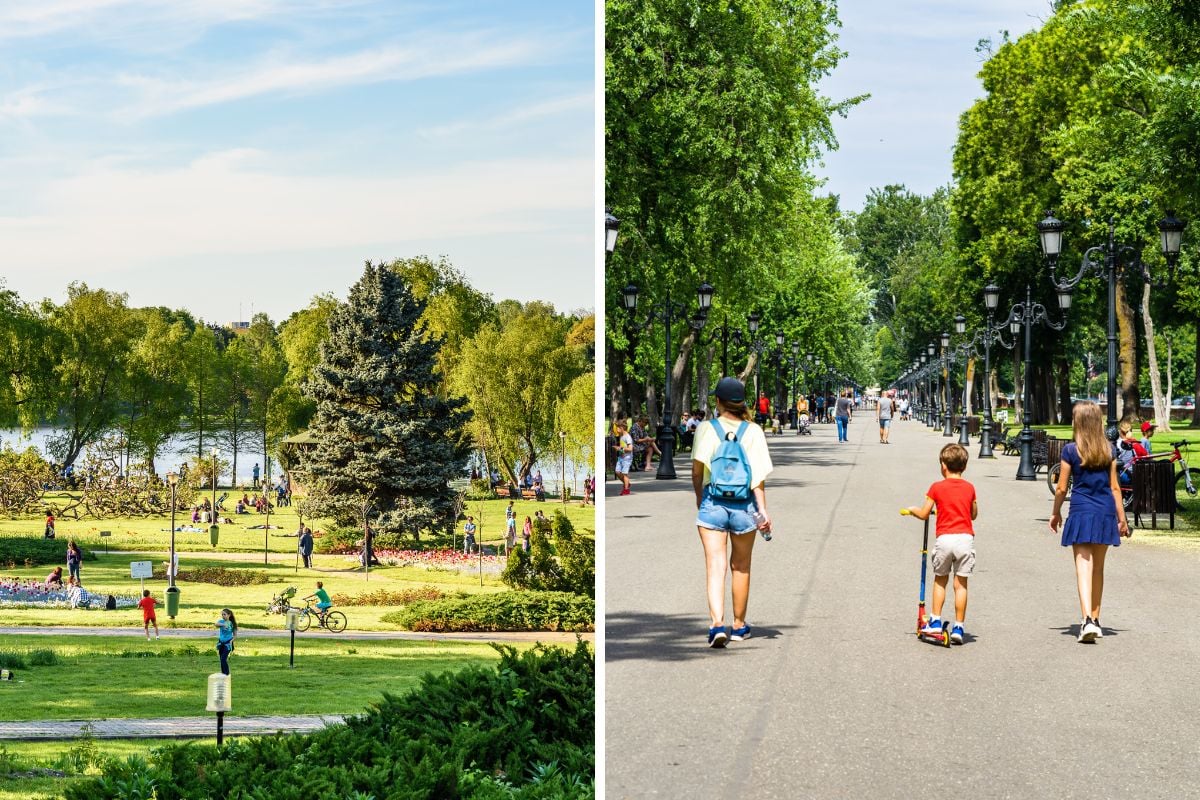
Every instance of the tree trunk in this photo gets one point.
(1018, 388)
(1126, 356)
(1196, 380)
(680, 390)
(702, 376)
(969, 385)
(1065, 406)
(1162, 410)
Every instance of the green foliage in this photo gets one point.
(23, 476)
(576, 557)
(43, 657)
(538, 569)
(387, 442)
(221, 576)
(12, 660)
(32, 551)
(502, 611)
(573, 570)
(523, 729)
(385, 597)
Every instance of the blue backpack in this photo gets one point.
(729, 468)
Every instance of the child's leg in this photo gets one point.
(939, 593)
(960, 598)
(1083, 577)
(1098, 553)
(739, 563)
(715, 564)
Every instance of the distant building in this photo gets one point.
(239, 327)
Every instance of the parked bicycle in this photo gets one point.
(1187, 481)
(280, 603)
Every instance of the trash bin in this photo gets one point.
(172, 601)
(1153, 486)
(214, 533)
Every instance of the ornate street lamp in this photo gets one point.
(1111, 261)
(611, 226)
(172, 589)
(945, 339)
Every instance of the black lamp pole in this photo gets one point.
(948, 401)
(1110, 261)
(666, 313)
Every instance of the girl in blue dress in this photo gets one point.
(1097, 517)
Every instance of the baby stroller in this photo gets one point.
(803, 422)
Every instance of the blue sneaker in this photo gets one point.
(933, 626)
(717, 637)
(956, 634)
(738, 634)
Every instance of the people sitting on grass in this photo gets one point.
(54, 579)
(78, 596)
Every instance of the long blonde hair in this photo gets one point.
(739, 410)
(1095, 452)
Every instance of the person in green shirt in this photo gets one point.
(322, 597)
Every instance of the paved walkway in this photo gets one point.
(549, 637)
(165, 728)
(834, 697)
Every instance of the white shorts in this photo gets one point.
(624, 463)
(954, 551)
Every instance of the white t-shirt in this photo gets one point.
(753, 442)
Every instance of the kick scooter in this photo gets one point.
(942, 638)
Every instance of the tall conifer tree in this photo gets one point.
(382, 429)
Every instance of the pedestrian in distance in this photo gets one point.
(730, 465)
(954, 544)
(843, 409)
(306, 545)
(74, 561)
(147, 604)
(255, 473)
(226, 633)
(469, 536)
(49, 525)
(884, 410)
(510, 534)
(1097, 519)
(624, 455)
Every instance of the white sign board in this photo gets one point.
(141, 569)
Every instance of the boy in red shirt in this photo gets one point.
(147, 604)
(954, 546)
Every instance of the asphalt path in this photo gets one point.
(835, 697)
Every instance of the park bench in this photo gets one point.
(1153, 487)
(526, 494)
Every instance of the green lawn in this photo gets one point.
(123, 676)
(201, 603)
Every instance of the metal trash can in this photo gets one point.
(172, 601)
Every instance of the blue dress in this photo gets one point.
(1093, 517)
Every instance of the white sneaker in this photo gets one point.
(1099, 630)
(1087, 630)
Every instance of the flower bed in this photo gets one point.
(29, 593)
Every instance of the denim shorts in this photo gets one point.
(732, 516)
(885, 422)
(624, 464)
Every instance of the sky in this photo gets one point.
(232, 157)
(918, 61)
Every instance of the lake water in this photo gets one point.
(178, 450)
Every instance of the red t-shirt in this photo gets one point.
(147, 604)
(953, 498)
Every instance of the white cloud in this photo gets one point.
(548, 108)
(106, 19)
(113, 218)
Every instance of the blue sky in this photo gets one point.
(917, 59)
(230, 156)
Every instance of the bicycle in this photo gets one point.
(332, 621)
(279, 603)
(1187, 481)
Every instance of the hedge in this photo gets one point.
(503, 611)
(22, 551)
(523, 729)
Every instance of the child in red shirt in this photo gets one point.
(147, 604)
(954, 546)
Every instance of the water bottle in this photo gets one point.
(759, 519)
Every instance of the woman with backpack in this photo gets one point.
(730, 464)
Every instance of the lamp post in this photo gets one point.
(793, 414)
(214, 531)
(726, 333)
(947, 400)
(172, 589)
(611, 226)
(665, 312)
(1026, 315)
(752, 325)
(562, 438)
(780, 388)
(964, 431)
(931, 410)
(1110, 261)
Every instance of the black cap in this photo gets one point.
(731, 390)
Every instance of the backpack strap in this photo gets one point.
(741, 429)
(720, 430)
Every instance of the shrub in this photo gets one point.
(504, 611)
(34, 550)
(11, 660)
(383, 597)
(221, 576)
(521, 729)
(43, 658)
(338, 540)
(574, 569)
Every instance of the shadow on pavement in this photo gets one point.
(659, 637)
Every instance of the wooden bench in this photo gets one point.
(526, 494)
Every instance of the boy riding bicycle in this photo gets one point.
(322, 598)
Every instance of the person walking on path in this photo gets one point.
(147, 604)
(726, 526)
(820, 404)
(306, 545)
(469, 536)
(510, 534)
(1097, 519)
(226, 632)
(624, 455)
(255, 474)
(74, 561)
(843, 409)
(884, 410)
(954, 542)
(49, 525)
